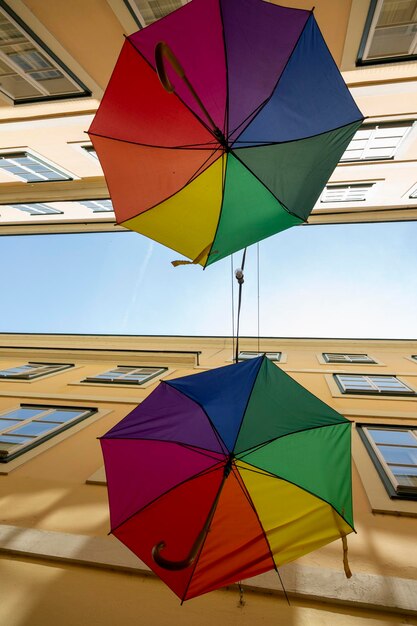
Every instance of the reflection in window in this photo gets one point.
(247, 354)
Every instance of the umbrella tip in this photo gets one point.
(312, 10)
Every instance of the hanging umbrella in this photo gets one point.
(238, 146)
(225, 474)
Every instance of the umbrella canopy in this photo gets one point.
(225, 474)
(257, 121)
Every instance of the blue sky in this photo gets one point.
(356, 280)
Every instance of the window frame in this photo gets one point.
(376, 391)
(409, 123)
(50, 210)
(65, 176)
(370, 24)
(58, 367)
(98, 210)
(257, 354)
(120, 381)
(382, 467)
(346, 186)
(368, 361)
(51, 56)
(42, 438)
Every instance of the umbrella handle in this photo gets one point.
(190, 558)
(163, 51)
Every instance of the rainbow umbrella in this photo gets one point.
(238, 146)
(225, 474)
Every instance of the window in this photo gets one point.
(374, 385)
(28, 426)
(98, 206)
(30, 168)
(128, 375)
(390, 32)
(393, 451)
(272, 356)
(335, 357)
(145, 12)
(36, 208)
(376, 142)
(91, 151)
(29, 71)
(33, 370)
(346, 193)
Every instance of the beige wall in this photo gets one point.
(47, 492)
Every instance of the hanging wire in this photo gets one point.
(233, 305)
(240, 280)
(257, 276)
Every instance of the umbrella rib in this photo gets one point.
(192, 146)
(213, 468)
(216, 433)
(277, 82)
(175, 192)
(261, 360)
(174, 93)
(241, 455)
(267, 188)
(279, 143)
(197, 449)
(224, 170)
(257, 470)
(226, 110)
(246, 493)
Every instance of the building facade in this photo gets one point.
(59, 393)
(54, 68)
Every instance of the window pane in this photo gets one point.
(7, 423)
(61, 416)
(403, 456)
(406, 476)
(399, 437)
(33, 429)
(392, 41)
(10, 439)
(23, 414)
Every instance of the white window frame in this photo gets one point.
(10, 156)
(366, 151)
(391, 483)
(353, 192)
(130, 370)
(372, 387)
(28, 443)
(330, 357)
(375, 10)
(90, 204)
(35, 208)
(56, 64)
(246, 355)
(40, 370)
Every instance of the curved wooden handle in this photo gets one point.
(190, 558)
(163, 51)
